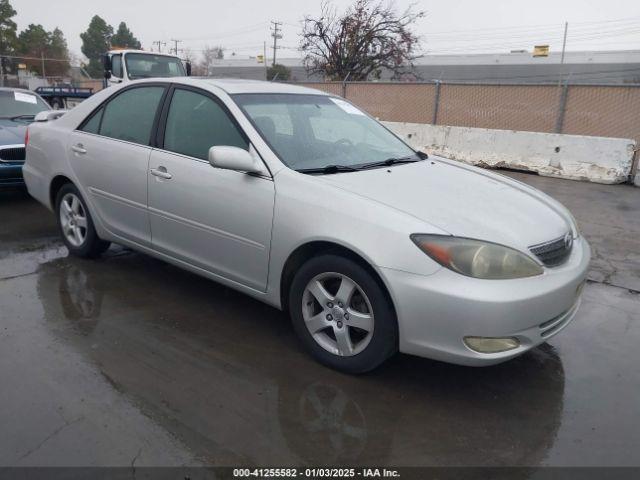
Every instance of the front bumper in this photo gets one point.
(11, 174)
(436, 312)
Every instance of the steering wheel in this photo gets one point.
(344, 141)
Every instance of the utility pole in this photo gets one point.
(160, 43)
(563, 89)
(175, 43)
(44, 75)
(564, 46)
(264, 58)
(277, 35)
(2, 60)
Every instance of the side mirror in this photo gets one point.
(49, 115)
(234, 158)
(188, 67)
(107, 74)
(106, 62)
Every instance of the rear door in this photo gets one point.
(110, 155)
(218, 220)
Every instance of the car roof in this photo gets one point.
(116, 51)
(238, 85)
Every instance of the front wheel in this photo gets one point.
(76, 225)
(342, 314)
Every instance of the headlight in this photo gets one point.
(574, 225)
(475, 258)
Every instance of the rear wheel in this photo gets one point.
(76, 225)
(57, 103)
(342, 314)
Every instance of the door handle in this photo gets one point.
(161, 172)
(79, 148)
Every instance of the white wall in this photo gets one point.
(593, 159)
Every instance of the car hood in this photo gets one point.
(12, 133)
(462, 201)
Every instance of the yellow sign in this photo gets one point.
(260, 58)
(541, 51)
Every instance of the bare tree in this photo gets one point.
(209, 54)
(369, 37)
(189, 56)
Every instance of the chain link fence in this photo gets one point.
(31, 82)
(593, 110)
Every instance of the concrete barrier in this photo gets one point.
(593, 159)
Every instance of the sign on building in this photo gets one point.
(541, 51)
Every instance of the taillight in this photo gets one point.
(26, 137)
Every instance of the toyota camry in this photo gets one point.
(303, 201)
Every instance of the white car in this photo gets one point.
(301, 200)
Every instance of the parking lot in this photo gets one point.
(129, 361)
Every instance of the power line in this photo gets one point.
(231, 33)
(520, 28)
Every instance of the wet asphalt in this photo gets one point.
(128, 361)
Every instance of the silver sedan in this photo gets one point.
(303, 201)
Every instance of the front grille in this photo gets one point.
(555, 252)
(12, 154)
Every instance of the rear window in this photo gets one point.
(128, 116)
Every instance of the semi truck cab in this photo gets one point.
(122, 66)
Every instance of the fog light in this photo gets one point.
(491, 345)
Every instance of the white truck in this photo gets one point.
(122, 66)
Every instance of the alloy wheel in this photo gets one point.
(73, 219)
(338, 314)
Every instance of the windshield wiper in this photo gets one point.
(390, 161)
(329, 169)
(19, 117)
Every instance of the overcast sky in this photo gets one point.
(450, 26)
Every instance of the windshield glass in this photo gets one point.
(315, 131)
(16, 102)
(145, 65)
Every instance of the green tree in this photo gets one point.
(58, 50)
(8, 30)
(34, 42)
(278, 72)
(124, 38)
(95, 42)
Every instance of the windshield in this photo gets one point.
(145, 65)
(14, 103)
(317, 131)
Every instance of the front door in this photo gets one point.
(218, 220)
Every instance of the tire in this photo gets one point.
(57, 103)
(76, 225)
(338, 341)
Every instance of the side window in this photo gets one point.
(93, 124)
(196, 123)
(129, 116)
(116, 66)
